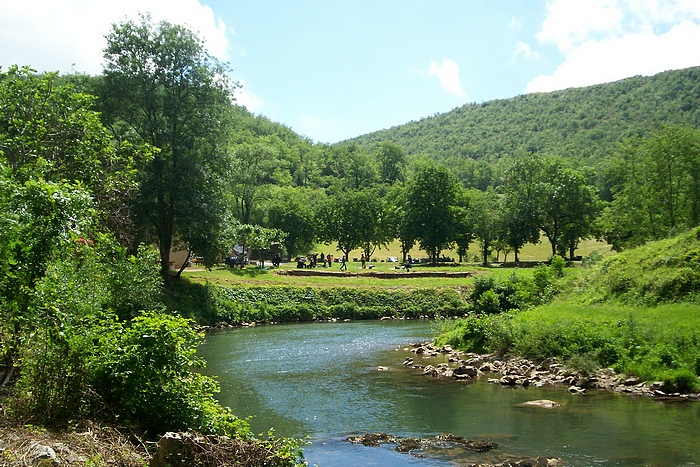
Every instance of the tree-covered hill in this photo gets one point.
(581, 123)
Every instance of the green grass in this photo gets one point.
(538, 252)
(655, 344)
(356, 277)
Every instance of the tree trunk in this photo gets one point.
(184, 264)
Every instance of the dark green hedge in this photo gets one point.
(213, 304)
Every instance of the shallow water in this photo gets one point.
(321, 380)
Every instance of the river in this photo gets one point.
(323, 381)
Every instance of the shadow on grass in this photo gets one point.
(250, 271)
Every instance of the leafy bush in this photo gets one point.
(681, 380)
(288, 304)
(144, 374)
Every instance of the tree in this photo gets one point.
(659, 189)
(431, 198)
(349, 166)
(254, 165)
(292, 211)
(484, 216)
(392, 162)
(162, 89)
(521, 203)
(352, 219)
(253, 236)
(50, 130)
(464, 229)
(398, 221)
(543, 194)
(39, 222)
(567, 206)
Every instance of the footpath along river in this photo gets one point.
(322, 380)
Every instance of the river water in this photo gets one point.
(323, 381)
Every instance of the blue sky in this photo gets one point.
(335, 70)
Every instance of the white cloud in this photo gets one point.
(607, 40)
(68, 35)
(524, 50)
(515, 23)
(448, 74)
(572, 21)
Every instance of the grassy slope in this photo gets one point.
(637, 312)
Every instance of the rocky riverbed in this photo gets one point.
(416, 446)
(513, 371)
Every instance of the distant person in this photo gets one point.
(362, 260)
(409, 260)
(323, 259)
(329, 259)
(343, 264)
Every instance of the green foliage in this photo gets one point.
(215, 304)
(659, 272)
(659, 344)
(161, 89)
(144, 373)
(354, 219)
(658, 193)
(583, 124)
(430, 196)
(557, 265)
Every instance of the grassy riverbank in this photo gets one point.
(637, 312)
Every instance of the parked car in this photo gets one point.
(392, 259)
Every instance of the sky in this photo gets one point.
(333, 70)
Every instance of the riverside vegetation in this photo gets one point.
(94, 325)
(636, 312)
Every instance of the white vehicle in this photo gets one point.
(392, 259)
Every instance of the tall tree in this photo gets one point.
(163, 89)
(484, 215)
(352, 219)
(292, 211)
(392, 162)
(520, 203)
(659, 189)
(431, 200)
(398, 220)
(254, 165)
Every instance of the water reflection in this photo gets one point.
(322, 381)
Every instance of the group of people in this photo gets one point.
(315, 259)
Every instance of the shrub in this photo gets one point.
(681, 380)
(557, 265)
(144, 375)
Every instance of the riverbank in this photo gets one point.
(516, 371)
(92, 444)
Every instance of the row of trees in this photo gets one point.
(183, 166)
(435, 211)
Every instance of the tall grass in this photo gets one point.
(655, 344)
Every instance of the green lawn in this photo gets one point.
(357, 277)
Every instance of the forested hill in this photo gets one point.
(581, 123)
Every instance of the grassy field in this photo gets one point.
(358, 277)
(540, 252)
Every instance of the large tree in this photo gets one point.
(485, 217)
(162, 89)
(352, 219)
(291, 210)
(659, 187)
(392, 162)
(431, 198)
(520, 203)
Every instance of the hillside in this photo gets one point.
(580, 123)
(663, 271)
